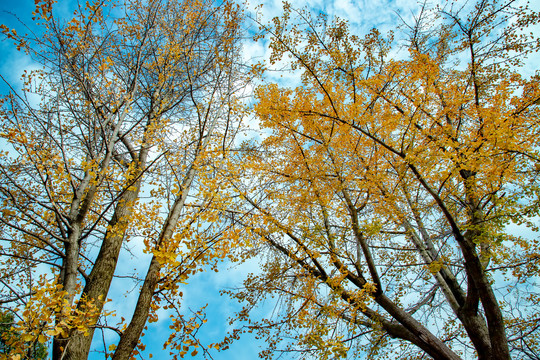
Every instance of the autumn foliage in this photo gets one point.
(382, 196)
(387, 185)
(134, 100)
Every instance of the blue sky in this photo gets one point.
(204, 288)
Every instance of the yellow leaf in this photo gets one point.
(53, 332)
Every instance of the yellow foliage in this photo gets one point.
(384, 185)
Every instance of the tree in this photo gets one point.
(135, 100)
(384, 188)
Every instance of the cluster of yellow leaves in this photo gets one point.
(43, 9)
(46, 314)
(183, 339)
(18, 41)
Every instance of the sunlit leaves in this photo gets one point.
(388, 183)
(36, 319)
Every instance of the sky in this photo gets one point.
(204, 288)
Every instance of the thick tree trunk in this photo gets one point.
(100, 278)
(69, 282)
(80, 206)
(495, 321)
(480, 286)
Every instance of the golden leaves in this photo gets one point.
(183, 338)
(36, 322)
(43, 9)
(405, 155)
(131, 109)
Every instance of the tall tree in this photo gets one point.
(134, 100)
(384, 188)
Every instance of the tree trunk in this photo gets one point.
(100, 278)
(128, 340)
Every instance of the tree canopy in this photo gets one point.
(384, 188)
(136, 98)
(380, 198)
